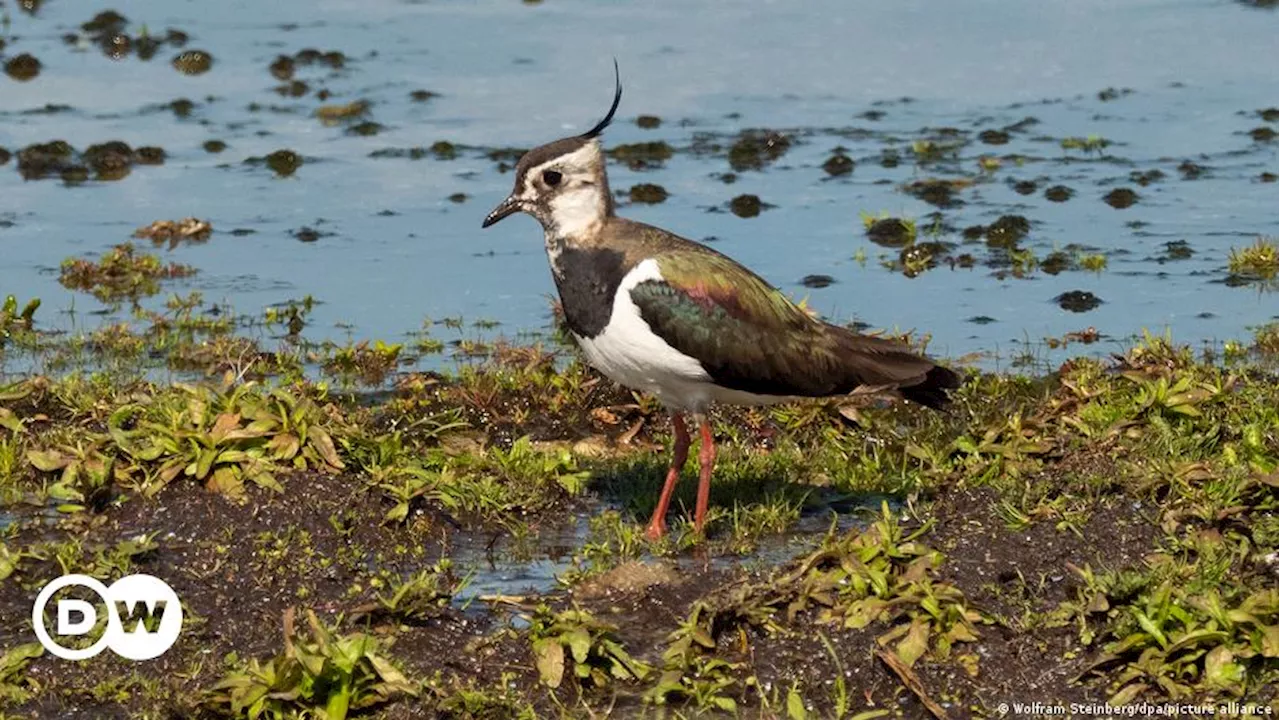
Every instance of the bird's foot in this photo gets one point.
(655, 531)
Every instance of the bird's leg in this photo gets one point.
(706, 463)
(679, 454)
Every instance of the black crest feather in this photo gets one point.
(617, 98)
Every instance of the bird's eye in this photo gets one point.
(551, 177)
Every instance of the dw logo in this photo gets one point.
(134, 603)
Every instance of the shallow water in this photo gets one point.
(499, 566)
(512, 75)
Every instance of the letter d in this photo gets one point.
(88, 617)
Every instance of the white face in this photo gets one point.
(568, 194)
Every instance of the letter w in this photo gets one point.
(139, 616)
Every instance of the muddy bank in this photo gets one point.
(1104, 533)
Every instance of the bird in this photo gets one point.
(674, 318)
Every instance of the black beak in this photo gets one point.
(507, 207)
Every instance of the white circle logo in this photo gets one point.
(134, 604)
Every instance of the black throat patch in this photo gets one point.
(587, 280)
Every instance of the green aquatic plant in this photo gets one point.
(576, 643)
(1091, 143)
(1178, 645)
(1256, 263)
(121, 274)
(222, 436)
(14, 321)
(422, 595)
(318, 674)
(473, 700)
(689, 674)
(15, 687)
(368, 364)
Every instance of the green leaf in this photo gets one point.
(319, 439)
(1198, 637)
(1126, 694)
(1271, 641)
(10, 421)
(795, 705)
(549, 657)
(701, 637)
(48, 460)
(579, 642)
(1221, 670)
(916, 643)
(1151, 628)
(262, 478)
(17, 657)
(397, 513)
(206, 463)
(62, 491)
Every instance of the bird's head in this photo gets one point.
(563, 183)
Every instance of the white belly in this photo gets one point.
(631, 354)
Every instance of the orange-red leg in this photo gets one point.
(706, 463)
(679, 454)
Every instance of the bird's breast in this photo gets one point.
(587, 280)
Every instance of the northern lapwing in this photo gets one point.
(674, 318)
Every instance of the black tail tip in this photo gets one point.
(932, 390)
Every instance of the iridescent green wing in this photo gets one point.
(749, 336)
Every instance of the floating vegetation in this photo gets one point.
(1059, 261)
(175, 232)
(888, 231)
(121, 274)
(648, 122)
(937, 191)
(282, 162)
(919, 257)
(1263, 134)
(994, 137)
(1006, 231)
(193, 62)
(1120, 198)
(1078, 301)
(647, 193)
(1025, 187)
(747, 206)
(1091, 143)
(1058, 193)
(754, 149)
(444, 150)
(365, 128)
(1256, 263)
(22, 67)
(642, 156)
(1145, 178)
(838, 164)
(107, 161)
(1109, 94)
(1191, 170)
(308, 234)
(817, 281)
(334, 114)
